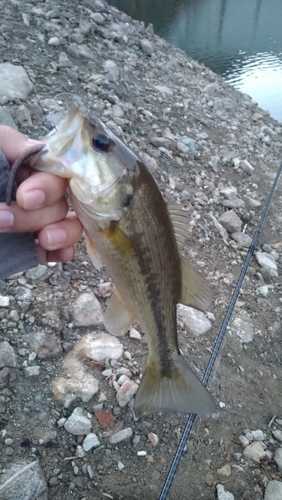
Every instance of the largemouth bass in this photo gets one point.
(128, 225)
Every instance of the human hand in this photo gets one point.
(40, 207)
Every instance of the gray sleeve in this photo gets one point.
(17, 250)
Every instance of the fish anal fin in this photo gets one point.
(179, 219)
(196, 291)
(118, 318)
(93, 253)
(181, 391)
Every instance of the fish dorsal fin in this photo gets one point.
(179, 219)
(118, 318)
(196, 291)
(93, 253)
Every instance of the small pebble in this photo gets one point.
(141, 453)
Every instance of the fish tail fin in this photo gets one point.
(179, 391)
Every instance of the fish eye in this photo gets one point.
(101, 142)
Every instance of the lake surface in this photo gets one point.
(241, 40)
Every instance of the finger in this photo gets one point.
(41, 190)
(13, 143)
(63, 234)
(15, 220)
(61, 255)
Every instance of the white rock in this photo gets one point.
(54, 40)
(32, 371)
(126, 392)
(153, 438)
(78, 424)
(146, 46)
(141, 453)
(258, 435)
(87, 310)
(120, 466)
(14, 82)
(222, 494)
(243, 327)
(91, 441)
(273, 490)
(278, 458)
(194, 322)
(134, 334)
(79, 452)
(79, 385)
(229, 192)
(254, 451)
(242, 239)
(4, 301)
(121, 435)
(99, 347)
(244, 440)
(247, 167)
(267, 260)
(278, 435)
(7, 355)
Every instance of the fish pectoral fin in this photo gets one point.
(120, 241)
(196, 291)
(179, 219)
(180, 391)
(92, 252)
(118, 318)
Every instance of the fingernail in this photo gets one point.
(6, 219)
(55, 237)
(33, 199)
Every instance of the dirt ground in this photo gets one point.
(247, 378)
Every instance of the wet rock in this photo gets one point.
(230, 221)
(87, 310)
(273, 490)
(126, 392)
(121, 435)
(45, 345)
(14, 83)
(28, 485)
(7, 355)
(194, 322)
(242, 326)
(78, 424)
(91, 441)
(254, 451)
(223, 494)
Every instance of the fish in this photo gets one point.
(129, 227)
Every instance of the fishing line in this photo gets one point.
(192, 416)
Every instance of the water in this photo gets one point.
(241, 40)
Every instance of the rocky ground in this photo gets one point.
(213, 150)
